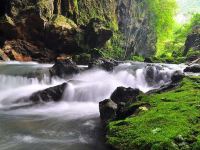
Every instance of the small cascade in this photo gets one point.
(89, 86)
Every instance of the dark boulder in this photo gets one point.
(105, 64)
(64, 67)
(96, 34)
(47, 95)
(177, 76)
(125, 95)
(132, 109)
(108, 110)
(194, 68)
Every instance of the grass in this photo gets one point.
(173, 122)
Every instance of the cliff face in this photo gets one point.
(135, 24)
(33, 28)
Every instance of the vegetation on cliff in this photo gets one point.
(172, 122)
(162, 14)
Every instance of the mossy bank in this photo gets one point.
(172, 122)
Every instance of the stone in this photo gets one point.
(97, 34)
(177, 76)
(125, 95)
(193, 68)
(105, 64)
(52, 94)
(108, 110)
(63, 68)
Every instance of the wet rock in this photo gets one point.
(196, 61)
(152, 75)
(194, 68)
(108, 110)
(125, 95)
(177, 76)
(107, 65)
(50, 94)
(63, 68)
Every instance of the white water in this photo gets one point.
(76, 116)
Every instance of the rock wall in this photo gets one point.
(135, 24)
(68, 26)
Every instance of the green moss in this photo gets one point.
(173, 114)
(137, 58)
(46, 9)
(114, 47)
(60, 20)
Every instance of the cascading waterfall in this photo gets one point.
(73, 122)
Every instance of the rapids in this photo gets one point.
(74, 122)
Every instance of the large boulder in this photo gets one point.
(108, 110)
(97, 34)
(105, 64)
(64, 67)
(193, 68)
(125, 95)
(48, 95)
(177, 76)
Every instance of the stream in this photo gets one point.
(73, 123)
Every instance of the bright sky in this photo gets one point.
(186, 8)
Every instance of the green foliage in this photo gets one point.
(60, 20)
(173, 115)
(162, 17)
(177, 42)
(114, 48)
(137, 58)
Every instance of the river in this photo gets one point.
(73, 123)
